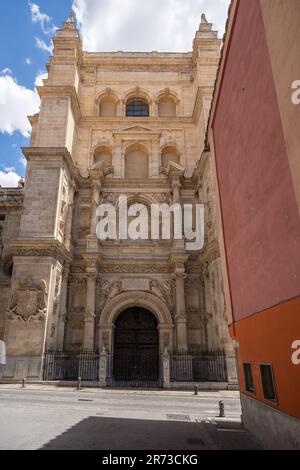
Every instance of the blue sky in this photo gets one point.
(26, 28)
(21, 59)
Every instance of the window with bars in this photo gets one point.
(137, 107)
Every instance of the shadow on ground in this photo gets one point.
(102, 433)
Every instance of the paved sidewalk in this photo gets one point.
(117, 391)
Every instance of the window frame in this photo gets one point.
(270, 400)
(252, 391)
(136, 113)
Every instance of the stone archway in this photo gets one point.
(127, 300)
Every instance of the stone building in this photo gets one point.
(113, 124)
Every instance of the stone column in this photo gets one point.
(154, 165)
(89, 318)
(117, 160)
(95, 203)
(181, 318)
(178, 244)
(152, 108)
(62, 314)
(68, 233)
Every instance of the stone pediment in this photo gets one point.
(136, 130)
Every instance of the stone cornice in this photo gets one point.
(51, 153)
(136, 186)
(136, 60)
(33, 119)
(160, 121)
(11, 197)
(41, 248)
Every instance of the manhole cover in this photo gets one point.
(196, 442)
(179, 417)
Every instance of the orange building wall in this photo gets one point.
(267, 337)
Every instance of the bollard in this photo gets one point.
(196, 389)
(24, 383)
(79, 383)
(221, 409)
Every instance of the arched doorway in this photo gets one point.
(136, 347)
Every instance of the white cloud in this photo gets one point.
(9, 179)
(40, 44)
(16, 103)
(6, 71)
(8, 169)
(23, 161)
(40, 77)
(42, 18)
(36, 15)
(28, 61)
(162, 25)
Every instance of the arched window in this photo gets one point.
(136, 162)
(137, 107)
(166, 106)
(108, 107)
(103, 154)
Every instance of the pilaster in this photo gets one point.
(178, 261)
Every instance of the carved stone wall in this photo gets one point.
(66, 287)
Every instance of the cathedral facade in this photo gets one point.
(111, 125)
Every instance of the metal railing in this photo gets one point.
(198, 366)
(135, 370)
(61, 365)
(138, 370)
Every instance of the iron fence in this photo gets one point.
(198, 366)
(61, 365)
(140, 370)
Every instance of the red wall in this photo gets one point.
(260, 216)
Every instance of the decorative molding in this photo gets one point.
(135, 299)
(164, 290)
(135, 269)
(108, 290)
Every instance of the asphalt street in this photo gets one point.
(56, 418)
